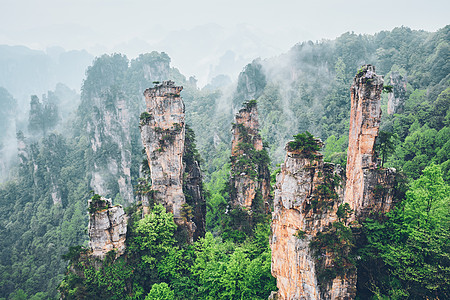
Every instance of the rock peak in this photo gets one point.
(163, 134)
(309, 202)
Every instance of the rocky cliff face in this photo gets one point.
(307, 195)
(250, 174)
(111, 104)
(163, 135)
(251, 83)
(363, 173)
(110, 138)
(397, 98)
(107, 227)
(314, 203)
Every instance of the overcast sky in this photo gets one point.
(110, 25)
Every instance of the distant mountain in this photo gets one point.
(24, 71)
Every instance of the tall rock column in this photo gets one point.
(250, 173)
(365, 117)
(307, 195)
(163, 135)
(313, 223)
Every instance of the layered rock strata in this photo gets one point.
(397, 98)
(107, 228)
(250, 174)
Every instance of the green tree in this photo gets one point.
(385, 144)
(413, 243)
(154, 235)
(160, 291)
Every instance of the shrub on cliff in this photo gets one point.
(305, 143)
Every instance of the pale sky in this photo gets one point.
(132, 26)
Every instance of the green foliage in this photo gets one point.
(154, 266)
(385, 144)
(160, 291)
(300, 234)
(97, 203)
(36, 231)
(325, 193)
(411, 247)
(304, 143)
(145, 117)
(332, 250)
(335, 150)
(74, 253)
(387, 88)
(250, 104)
(154, 235)
(344, 211)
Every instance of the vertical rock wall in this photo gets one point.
(193, 187)
(163, 135)
(365, 117)
(107, 228)
(250, 178)
(302, 209)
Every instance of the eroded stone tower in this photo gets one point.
(315, 201)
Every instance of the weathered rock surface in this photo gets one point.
(110, 132)
(301, 206)
(107, 228)
(397, 98)
(163, 135)
(365, 117)
(163, 138)
(302, 210)
(248, 179)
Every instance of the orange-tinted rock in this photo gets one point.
(368, 189)
(365, 117)
(299, 206)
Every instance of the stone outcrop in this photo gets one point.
(111, 101)
(250, 174)
(301, 210)
(163, 135)
(308, 200)
(107, 227)
(397, 98)
(362, 164)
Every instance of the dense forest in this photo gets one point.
(65, 158)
